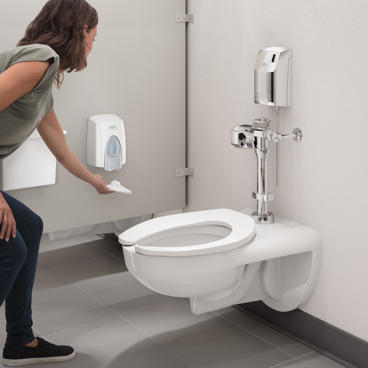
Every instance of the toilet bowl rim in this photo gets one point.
(242, 228)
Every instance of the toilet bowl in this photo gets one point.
(221, 257)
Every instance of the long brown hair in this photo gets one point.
(60, 25)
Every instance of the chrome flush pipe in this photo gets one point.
(261, 146)
(257, 136)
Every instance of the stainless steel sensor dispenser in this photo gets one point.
(272, 77)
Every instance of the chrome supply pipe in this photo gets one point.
(261, 146)
(257, 136)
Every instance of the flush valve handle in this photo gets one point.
(271, 135)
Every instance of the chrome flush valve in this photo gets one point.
(257, 136)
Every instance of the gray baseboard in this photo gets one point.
(326, 339)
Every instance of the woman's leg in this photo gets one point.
(18, 262)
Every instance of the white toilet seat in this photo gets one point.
(242, 229)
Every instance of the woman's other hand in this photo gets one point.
(7, 221)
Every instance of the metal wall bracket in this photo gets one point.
(184, 18)
(186, 171)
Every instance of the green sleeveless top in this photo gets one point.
(21, 118)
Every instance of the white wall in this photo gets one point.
(323, 179)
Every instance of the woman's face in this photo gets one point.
(89, 35)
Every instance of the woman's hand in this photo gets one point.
(100, 185)
(7, 221)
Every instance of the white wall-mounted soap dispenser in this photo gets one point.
(106, 145)
(272, 77)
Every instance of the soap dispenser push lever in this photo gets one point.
(257, 136)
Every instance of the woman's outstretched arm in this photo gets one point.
(52, 134)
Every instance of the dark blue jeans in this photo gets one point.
(18, 261)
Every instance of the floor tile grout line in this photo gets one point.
(108, 253)
(298, 358)
(136, 327)
(305, 355)
(63, 328)
(258, 337)
(282, 363)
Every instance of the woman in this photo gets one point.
(59, 39)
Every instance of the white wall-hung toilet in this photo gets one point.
(221, 257)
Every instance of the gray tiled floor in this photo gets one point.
(85, 297)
